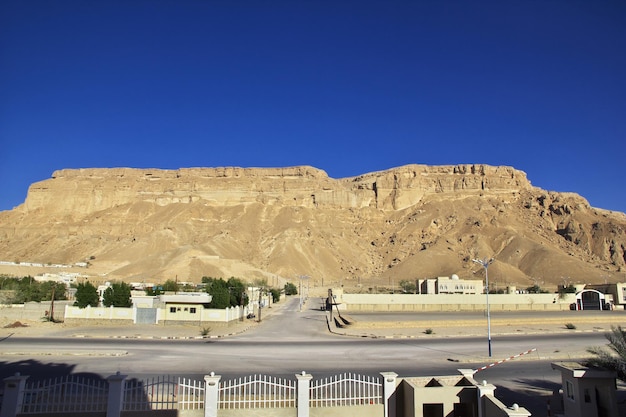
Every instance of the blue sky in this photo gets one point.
(346, 86)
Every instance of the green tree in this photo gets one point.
(536, 289)
(408, 286)
(615, 358)
(275, 295)
(171, 285)
(291, 289)
(117, 295)
(156, 290)
(226, 293)
(220, 298)
(237, 289)
(86, 295)
(50, 287)
(570, 289)
(27, 289)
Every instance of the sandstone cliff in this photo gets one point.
(376, 229)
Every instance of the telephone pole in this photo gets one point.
(485, 264)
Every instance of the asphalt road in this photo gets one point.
(289, 341)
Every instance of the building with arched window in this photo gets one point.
(590, 299)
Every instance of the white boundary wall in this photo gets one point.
(129, 314)
(453, 302)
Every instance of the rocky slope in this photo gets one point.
(376, 229)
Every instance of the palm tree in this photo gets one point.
(614, 359)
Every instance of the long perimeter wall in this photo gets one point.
(453, 302)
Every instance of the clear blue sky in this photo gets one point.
(346, 86)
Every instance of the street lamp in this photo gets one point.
(485, 264)
(301, 277)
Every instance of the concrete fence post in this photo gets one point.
(211, 394)
(389, 388)
(115, 401)
(304, 385)
(13, 395)
(484, 389)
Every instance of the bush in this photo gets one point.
(275, 295)
(291, 289)
(428, 331)
(570, 326)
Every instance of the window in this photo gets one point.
(172, 309)
(569, 390)
(192, 310)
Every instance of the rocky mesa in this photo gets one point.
(276, 224)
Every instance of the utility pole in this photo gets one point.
(485, 264)
(260, 300)
(51, 316)
(301, 277)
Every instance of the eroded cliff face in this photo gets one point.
(83, 191)
(409, 222)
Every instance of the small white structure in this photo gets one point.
(67, 278)
(450, 285)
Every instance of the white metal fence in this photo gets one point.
(79, 394)
(69, 393)
(257, 391)
(159, 393)
(191, 394)
(346, 390)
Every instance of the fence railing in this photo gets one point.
(118, 394)
(191, 394)
(69, 393)
(346, 390)
(257, 391)
(159, 393)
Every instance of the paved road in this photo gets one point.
(288, 341)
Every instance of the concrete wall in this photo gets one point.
(493, 407)
(453, 302)
(120, 314)
(100, 313)
(31, 311)
(446, 396)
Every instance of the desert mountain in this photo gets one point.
(375, 229)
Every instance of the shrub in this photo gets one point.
(570, 326)
(291, 289)
(428, 331)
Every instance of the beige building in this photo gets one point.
(184, 306)
(587, 392)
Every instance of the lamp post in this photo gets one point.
(301, 277)
(485, 264)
